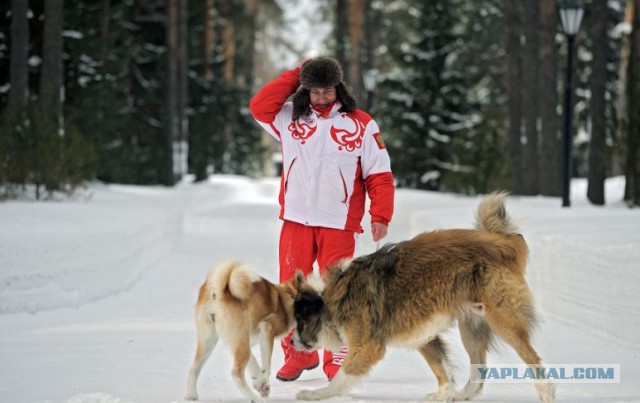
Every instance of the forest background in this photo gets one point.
(469, 94)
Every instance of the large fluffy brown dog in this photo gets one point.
(238, 306)
(406, 294)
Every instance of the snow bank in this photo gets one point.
(56, 255)
(66, 254)
(594, 288)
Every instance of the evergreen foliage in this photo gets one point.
(34, 153)
(441, 103)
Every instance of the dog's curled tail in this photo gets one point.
(492, 215)
(235, 277)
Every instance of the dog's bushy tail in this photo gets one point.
(492, 215)
(235, 277)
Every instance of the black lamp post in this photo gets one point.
(370, 79)
(571, 12)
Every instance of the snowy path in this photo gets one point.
(123, 271)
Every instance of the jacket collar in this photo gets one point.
(332, 113)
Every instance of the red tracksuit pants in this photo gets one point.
(300, 247)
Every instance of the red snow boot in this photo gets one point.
(295, 361)
(333, 361)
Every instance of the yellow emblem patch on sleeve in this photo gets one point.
(379, 140)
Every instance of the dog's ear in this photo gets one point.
(300, 279)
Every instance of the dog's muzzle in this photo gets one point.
(301, 345)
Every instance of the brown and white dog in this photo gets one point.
(238, 306)
(406, 294)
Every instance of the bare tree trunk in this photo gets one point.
(18, 67)
(172, 123)
(105, 19)
(550, 141)
(356, 11)
(369, 45)
(514, 94)
(201, 142)
(104, 28)
(209, 39)
(342, 33)
(252, 9)
(597, 151)
(181, 145)
(229, 45)
(51, 90)
(531, 96)
(632, 174)
(622, 107)
(229, 41)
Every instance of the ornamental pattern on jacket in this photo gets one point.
(347, 132)
(302, 130)
(350, 140)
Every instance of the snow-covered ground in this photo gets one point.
(97, 294)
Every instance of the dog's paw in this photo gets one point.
(191, 396)
(256, 399)
(263, 387)
(309, 395)
(443, 397)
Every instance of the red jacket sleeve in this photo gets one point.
(266, 104)
(381, 189)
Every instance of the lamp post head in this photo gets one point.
(571, 12)
(370, 79)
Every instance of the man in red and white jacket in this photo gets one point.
(333, 155)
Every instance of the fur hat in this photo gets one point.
(321, 72)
